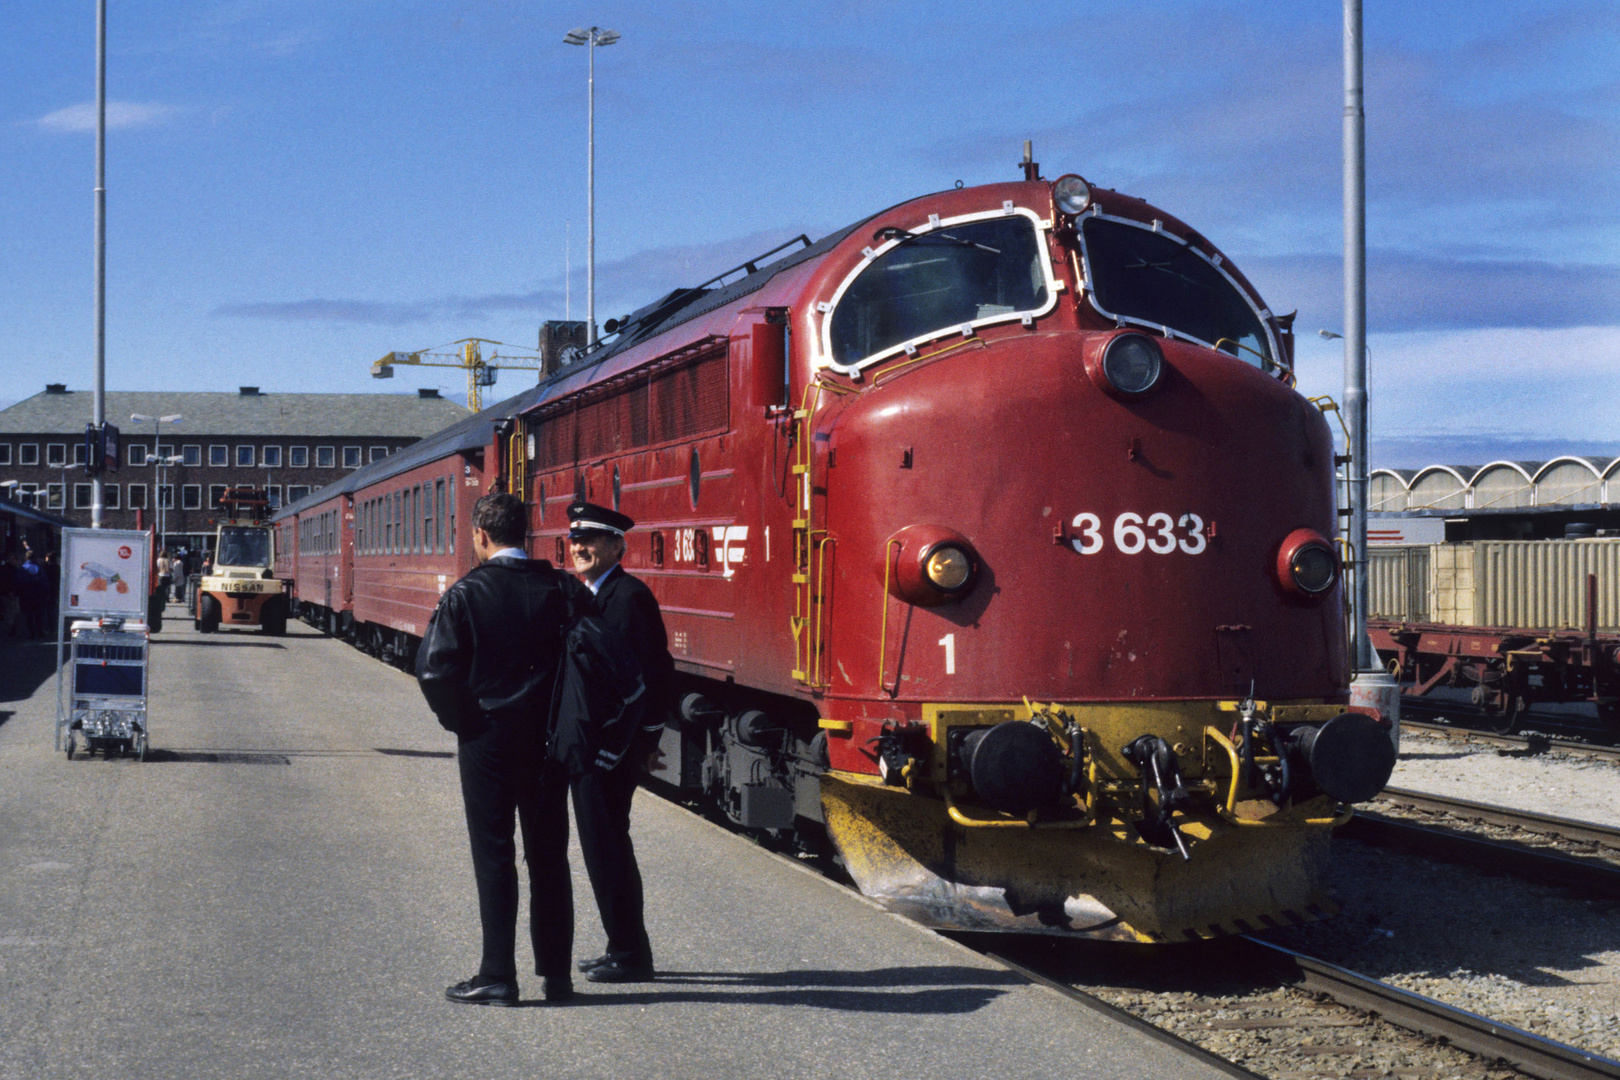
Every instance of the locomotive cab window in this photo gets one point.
(1139, 275)
(921, 283)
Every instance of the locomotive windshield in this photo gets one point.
(939, 280)
(240, 546)
(1147, 277)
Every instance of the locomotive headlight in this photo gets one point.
(1071, 194)
(1132, 363)
(1307, 565)
(949, 568)
(929, 565)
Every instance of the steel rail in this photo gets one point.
(1465, 1030)
(1596, 750)
(1587, 875)
(1129, 1019)
(1589, 832)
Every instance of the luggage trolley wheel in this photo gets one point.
(139, 744)
(73, 744)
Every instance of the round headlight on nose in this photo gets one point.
(948, 568)
(1132, 364)
(1307, 564)
(929, 565)
(1071, 194)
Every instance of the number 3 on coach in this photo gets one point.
(1160, 534)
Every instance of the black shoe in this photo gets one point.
(482, 990)
(618, 971)
(558, 989)
(588, 966)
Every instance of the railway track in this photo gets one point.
(1528, 744)
(1345, 1024)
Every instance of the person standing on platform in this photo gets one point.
(165, 573)
(602, 798)
(487, 666)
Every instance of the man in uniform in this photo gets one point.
(602, 798)
(487, 666)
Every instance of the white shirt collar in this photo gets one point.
(510, 553)
(596, 586)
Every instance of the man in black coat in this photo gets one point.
(487, 666)
(602, 798)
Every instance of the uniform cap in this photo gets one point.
(584, 518)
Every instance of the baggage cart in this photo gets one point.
(107, 702)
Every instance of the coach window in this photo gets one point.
(416, 520)
(950, 276)
(438, 517)
(450, 524)
(694, 477)
(427, 519)
(219, 457)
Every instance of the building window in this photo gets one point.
(378, 453)
(270, 457)
(55, 455)
(298, 458)
(109, 496)
(244, 457)
(274, 491)
(191, 455)
(137, 497)
(165, 449)
(78, 453)
(296, 492)
(219, 456)
(191, 497)
(351, 457)
(53, 496)
(5, 453)
(137, 453)
(166, 497)
(28, 454)
(325, 457)
(81, 496)
(216, 492)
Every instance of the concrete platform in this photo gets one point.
(283, 890)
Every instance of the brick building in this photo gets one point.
(290, 444)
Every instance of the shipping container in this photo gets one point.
(1533, 584)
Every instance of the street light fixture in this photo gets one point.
(168, 461)
(590, 38)
(157, 475)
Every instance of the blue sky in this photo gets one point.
(297, 187)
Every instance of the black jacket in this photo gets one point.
(629, 607)
(492, 647)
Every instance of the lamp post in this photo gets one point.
(161, 463)
(157, 474)
(590, 38)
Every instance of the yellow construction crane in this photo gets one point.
(480, 368)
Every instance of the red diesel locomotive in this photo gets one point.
(996, 546)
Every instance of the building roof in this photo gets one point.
(207, 413)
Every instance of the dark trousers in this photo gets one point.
(502, 773)
(602, 813)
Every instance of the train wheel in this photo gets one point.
(1508, 720)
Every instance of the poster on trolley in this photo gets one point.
(105, 572)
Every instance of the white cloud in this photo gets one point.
(120, 114)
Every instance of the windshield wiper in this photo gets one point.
(894, 232)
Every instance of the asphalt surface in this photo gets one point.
(283, 890)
